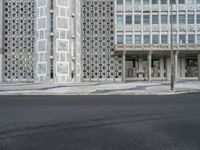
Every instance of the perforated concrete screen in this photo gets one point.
(98, 56)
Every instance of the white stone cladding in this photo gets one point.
(61, 23)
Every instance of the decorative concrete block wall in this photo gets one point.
(1, 40)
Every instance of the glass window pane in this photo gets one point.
(128, 2)
(120, 39)
(154, 1)
(198, 38)
(155, 19)
(163, 1)
(147, 39)
(137, 39)
(191, 39)
(198, 19)
(129, 39)
(146, 2)
(174, 18)
(174, 39)
(119, 19)
(190, 19)
(128, 19)
(119, 2)
(137, 2)
(155, 39)
(198, 1)
(137, 19)
(164, 39)
(164, 19)
(190, 1)
(181, 2)
(146, 19)
(181, 19)
(182, 39)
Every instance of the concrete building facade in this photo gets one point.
(98, 40)
(143, 37)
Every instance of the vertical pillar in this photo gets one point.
(124, 65)
(168, 69)
(149, 65)
(162, 70)
(199, 66)
(140, 61)
(182, 68)
(176, 66)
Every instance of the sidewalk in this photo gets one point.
(99, 88)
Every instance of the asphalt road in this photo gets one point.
(100, 122)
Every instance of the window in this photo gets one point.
(137, 2)
(154, 1)
(174, 18)
(181, 1)
(182, 39)
(128, 2)
(198, 19)
(173, 1)
(190, 1)
(146, 19)
(120, 39)
(137, 39)
(129, 39)
(155, 39)
(181, 19)
(119, 2)
(163, 19)
(174, 39)
(198, 38)
(128, 19)
(119, 19)
(154, 19)
(164, 39)
(198, 1)
(137, 19)
(146, 2)
(147, 39)
(191, 39)
(163, 1)
(190, 19)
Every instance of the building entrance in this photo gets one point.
(191, 68)
(132, 66)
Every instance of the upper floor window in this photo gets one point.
(120, 39)
(147, 39)
(181, 1)
(119, 2)
(128, 19)
(137, 19)
(173, 1)
(181, 19)
(137, 39)
(154, 1)
(155, 39)
(128, 2)
(164, 19)
(198, 1)
(190, 19)
(190, 1)
(137, 2)
(146, 2)
(174, 39)
(191, 39)
(146, 19)
(182, 39)
(129, 39)
(163, 1)
(119, 19)
(154, 19)
(198, 38)
(164, 39)
(174, 18)
(198, 19)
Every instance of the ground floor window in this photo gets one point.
(191, 68)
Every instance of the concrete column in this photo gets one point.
(149, 59)
(182, 67)
(123, 65)
(199, 66)
(140, 61)
(168, 69)
(176, 66)
(162, 67)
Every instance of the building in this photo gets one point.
(98, 40)
(143, 35)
